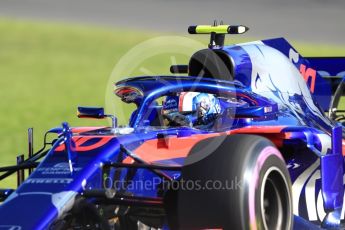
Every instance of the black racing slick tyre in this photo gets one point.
(232, 182)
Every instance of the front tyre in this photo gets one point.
(259, 195)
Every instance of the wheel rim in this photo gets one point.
(275, 200)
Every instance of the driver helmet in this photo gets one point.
(191, 109)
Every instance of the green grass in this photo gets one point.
(48, 69)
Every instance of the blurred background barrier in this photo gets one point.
(302, 20)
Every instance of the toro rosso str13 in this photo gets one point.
(250, 137)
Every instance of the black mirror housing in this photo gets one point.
(91, 112)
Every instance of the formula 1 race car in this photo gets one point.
(249, 138)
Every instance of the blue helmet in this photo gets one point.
(191, 109)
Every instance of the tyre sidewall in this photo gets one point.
(244, 157)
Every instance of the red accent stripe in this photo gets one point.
(179, 147)
(247, 97)
(258, 129)
(81, 140)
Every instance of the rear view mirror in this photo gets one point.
(91, 112)
(96, 113)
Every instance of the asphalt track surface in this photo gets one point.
(317, 21)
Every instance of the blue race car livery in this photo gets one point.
(249, 138)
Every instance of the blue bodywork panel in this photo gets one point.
(279, 94)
